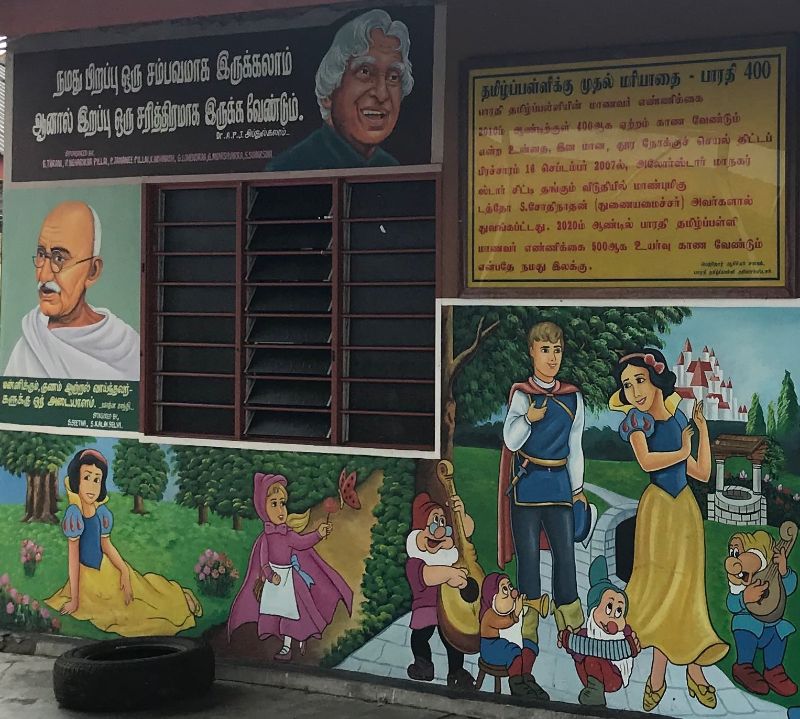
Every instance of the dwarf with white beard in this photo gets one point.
(605, 664)
(431, 555)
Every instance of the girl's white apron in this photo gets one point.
(279, 600)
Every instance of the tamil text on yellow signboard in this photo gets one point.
(660, 172)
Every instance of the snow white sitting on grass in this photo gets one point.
(102, 587)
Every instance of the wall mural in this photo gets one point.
(635, 550)
(69, 346)
(632, 446)
(327, 90)
(303, 561)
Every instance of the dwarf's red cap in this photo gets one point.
(420, 510)
(489, 588)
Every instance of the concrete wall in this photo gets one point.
(476, 28)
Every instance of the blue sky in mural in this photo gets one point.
(753, 345)
(12, 488)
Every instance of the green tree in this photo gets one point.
(771, 419)
(38, 457)
(486, 351)
(788, 410)
(311, 478)
(222, 479)
(140, 471)
(195, 467)
(755, 417)
(229, 475)
(774, 460)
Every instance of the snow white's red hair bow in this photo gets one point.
(649, 360)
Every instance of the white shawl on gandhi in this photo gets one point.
(106, 350)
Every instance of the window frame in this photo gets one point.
(151, 312)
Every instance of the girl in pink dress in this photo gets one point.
(289, 590)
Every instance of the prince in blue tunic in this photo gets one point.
(541, 476)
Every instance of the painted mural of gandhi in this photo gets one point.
(64, 337)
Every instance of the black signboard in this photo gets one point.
(232, 103)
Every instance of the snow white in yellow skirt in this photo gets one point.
(667, 589)
(102, 587)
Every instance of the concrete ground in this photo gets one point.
(26, 693)
(250, 692)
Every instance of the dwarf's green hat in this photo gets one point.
(599, 581)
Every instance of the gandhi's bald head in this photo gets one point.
(67, 262)
(81, 217)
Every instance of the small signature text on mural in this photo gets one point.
(80, 403)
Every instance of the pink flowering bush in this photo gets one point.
(21, 612)
(215, 573)
(30, 554)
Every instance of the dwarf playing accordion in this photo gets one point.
(604, 649)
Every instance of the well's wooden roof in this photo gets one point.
(754, 447)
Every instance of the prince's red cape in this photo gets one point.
(505, 542)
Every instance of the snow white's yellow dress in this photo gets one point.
(159, 606)
(667, 589)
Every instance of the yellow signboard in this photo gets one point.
(648, 172)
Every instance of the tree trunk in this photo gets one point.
(202, 514)
(53, 492)
(448, 380)
(237, 522)
(448, 424)
(138, 505)
(41, 500)
(28, 499)
(426, 479)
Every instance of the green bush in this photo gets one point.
(387, 595)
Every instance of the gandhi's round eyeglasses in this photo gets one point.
(58, 261)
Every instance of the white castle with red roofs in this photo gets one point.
(702, 379)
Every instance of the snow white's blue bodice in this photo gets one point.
(88, 531)
(662, 436)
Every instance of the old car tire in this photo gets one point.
(133, 673)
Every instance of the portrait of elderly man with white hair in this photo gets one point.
(360, 85)
(65, 337)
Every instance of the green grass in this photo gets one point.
(625, 478)
(167, 540)
(601, 504)
(476, 481)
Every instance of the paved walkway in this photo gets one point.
(614, 499)
(389, 653)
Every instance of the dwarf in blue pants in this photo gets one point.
(749, 553)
